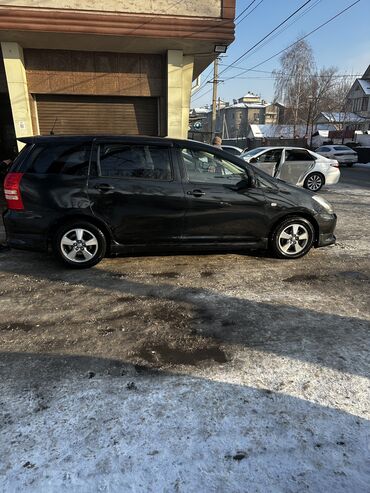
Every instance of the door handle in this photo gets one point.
(104, 187)
(196, 193)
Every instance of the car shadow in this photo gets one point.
(199, 318)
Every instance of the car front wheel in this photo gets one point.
(292, 238)
(79, 245)
(314, 182)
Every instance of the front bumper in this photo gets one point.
(327, 224)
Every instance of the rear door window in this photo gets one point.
(298, 155)
(135, 162)
(65, 159)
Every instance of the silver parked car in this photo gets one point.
(295, 165)
(343, 154)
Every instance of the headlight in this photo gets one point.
(324, 203)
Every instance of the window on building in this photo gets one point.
(364, 104)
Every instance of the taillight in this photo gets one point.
(335, 164)
(12, 191)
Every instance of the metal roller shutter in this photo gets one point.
(97, 115)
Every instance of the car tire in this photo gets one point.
(314, 182)
(79, 244)
(292, 238)
(349, 165)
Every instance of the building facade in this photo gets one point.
(105, 66)
(358, 100)
(233, 120)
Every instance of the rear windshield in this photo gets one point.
(63, 159)
(342, 148)
(19, 160)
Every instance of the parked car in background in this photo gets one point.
(343, 154)
(295, 165)
(235, 151)
(87, 197)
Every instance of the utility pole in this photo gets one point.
(214, 98)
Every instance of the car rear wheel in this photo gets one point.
(349, 165)
(79, 245)
(293, 238)
(314, 182)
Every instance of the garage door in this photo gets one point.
(97, 115)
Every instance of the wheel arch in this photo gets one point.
(303, 215)
(81, 217)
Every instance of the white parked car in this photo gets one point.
(343, 154)
(235, 151)
(295, 165)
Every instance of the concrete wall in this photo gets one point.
(18, 90)
(179, 80)
(193, 8)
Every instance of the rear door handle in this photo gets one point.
(104, 187)
(196, 193)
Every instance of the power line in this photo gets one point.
(246, 8)
(297, 41)
(259, 42)
(249, 13)
(266, 36)
(283, 29)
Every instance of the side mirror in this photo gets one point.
(253, 160)
(247, 182)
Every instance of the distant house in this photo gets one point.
(358, 99)
(339, 120)
(233, 120)
(274, 131)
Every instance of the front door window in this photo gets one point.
(204, 167)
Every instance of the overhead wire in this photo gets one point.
(284, 49)
(297, 41)
(255, 45)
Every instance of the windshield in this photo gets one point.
(253, 152)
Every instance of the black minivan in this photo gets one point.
(91, 196)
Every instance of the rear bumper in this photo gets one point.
(35, 243)
(22, 232)
(332, 176)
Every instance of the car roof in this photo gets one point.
(132, 139)
(55, 139)
(268, 148)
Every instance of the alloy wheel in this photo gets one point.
(79, 245)
(293, 239)
(314, 182)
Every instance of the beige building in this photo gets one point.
(104, 66)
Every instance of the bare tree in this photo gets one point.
(293, 79)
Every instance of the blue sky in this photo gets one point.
(344, 43)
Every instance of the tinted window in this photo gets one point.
(323, 149)
(61, 159)
(342, 148)
(202, 166)
(135, 161)
(272, 156)
(298, 155)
